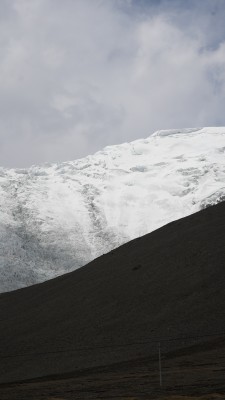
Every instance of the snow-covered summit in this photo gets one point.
(57, 217)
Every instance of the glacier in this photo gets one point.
(56, 218)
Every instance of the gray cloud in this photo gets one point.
(77, 75)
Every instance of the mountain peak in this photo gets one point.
(57, 217)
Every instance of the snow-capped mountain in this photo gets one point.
(56, 218)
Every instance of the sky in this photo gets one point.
(77, 75)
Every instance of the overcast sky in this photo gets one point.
(76, 75)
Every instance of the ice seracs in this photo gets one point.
(57, 217)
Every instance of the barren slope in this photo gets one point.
(169, 283)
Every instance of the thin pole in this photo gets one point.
(160, 366)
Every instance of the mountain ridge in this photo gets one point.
(58, 217)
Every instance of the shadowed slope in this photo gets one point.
(166, 284)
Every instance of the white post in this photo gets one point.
(160, 366)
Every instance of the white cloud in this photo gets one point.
(79, 74)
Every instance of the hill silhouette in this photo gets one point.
(165, 285)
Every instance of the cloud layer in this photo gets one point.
(76, 75)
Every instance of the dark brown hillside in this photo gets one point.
(170, 283)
